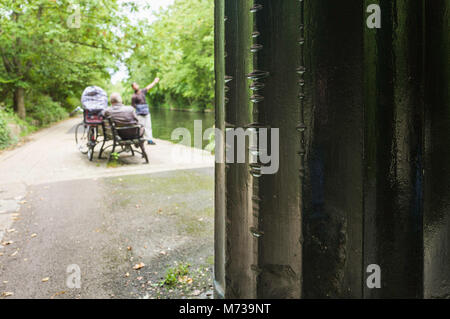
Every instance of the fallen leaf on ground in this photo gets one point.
(14, 253)
(6, 243)
(45, 279)
(196, 292)
(7, 294)
(57, 294)
(138, 266)
(139, 278)
(129, 248)
(183, 278)
(33, 235)
(127, 274)
(163, 252)
(11, 230)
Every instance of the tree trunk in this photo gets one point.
(19, 102)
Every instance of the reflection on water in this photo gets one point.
(164, 121)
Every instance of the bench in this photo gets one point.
(128, 138)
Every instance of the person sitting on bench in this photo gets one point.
(121, 115)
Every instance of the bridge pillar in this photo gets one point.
(364, 149)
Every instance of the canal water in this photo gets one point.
(164, 121)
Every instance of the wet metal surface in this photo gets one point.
(238, 62)
(219, 189)
(332, 251)
(437, 146)
(279, 216)
(364, 172)
(393, 183)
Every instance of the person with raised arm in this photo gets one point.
(139, 102)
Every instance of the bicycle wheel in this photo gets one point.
(92, 141)
(81, 138)
(90, 153)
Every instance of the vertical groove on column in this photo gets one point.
(256, 77)
(301, 127)
(229, 21)
(301, 70)
(219, 190)
(230, 18)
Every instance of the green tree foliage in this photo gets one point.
(42, 111)
(178, 48)
(4, 131)
(54, 49)
(50, 50)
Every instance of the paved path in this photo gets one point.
(51, 156)
(58, 209)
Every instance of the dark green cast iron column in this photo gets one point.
(220, 186)
(364, 173)
(238, 62)
(333, 202)
(437, 148)
(393, 106)
(276, 198)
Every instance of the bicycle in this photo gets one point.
(87, 133)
